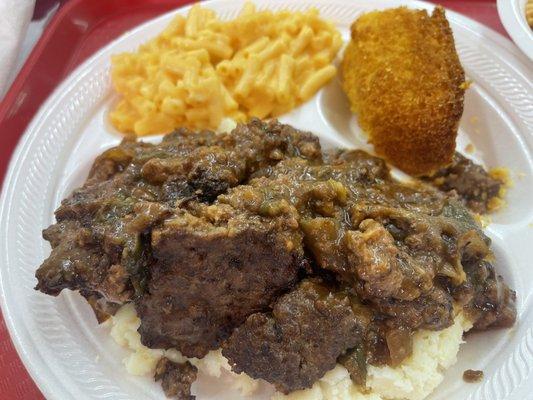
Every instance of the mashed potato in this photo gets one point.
(414, 379)
(142, 361)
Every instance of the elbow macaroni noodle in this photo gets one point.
(201, 69)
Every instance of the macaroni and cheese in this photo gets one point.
(201, 69)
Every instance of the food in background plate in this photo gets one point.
(529, 13)
(302, 267)
(403, 78)
(201, 69)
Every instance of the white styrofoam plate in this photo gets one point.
(58, 339)
(513, 16)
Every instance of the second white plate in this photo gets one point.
(513, 16)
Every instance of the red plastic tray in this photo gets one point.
(78, 29)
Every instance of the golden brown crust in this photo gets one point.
(404, 80)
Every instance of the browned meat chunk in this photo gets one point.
(176, 379)
(355, 361)
(433, 310)
(474, 186)
(209, 276)
(299, 341)
(377, 262)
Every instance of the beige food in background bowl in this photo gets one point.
(529, 13)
